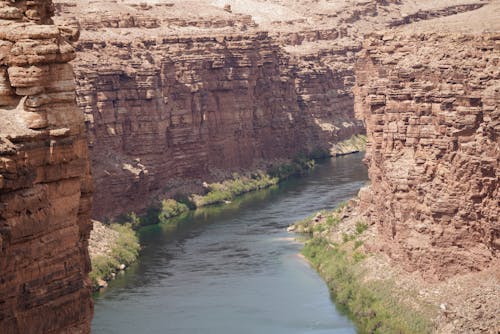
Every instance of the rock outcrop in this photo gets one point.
(45, 184)
(430, 102)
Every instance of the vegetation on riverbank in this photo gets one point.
(120, 250)
(171, 208)
(220, 192)
(339, 257)
(227, 190)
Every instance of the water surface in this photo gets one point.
(234, 268)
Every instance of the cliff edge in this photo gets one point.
(45, 185)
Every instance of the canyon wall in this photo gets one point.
(180, 92)
(190, 98)
(45, 185)
(430, 102)
(203, 106)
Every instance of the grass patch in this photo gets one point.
(371, 305)
(125, 251)
(361, 227)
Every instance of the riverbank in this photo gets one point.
(380, 296)
(106, 243)
(238, 184)
(207, 256)
(112, 249)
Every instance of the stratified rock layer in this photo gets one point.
(184, 91)
(431, 106)
(45, 185)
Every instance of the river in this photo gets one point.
(234, 268)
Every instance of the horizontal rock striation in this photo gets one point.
(204, 103)
(431, 107)
(45, 185)
(176, 92)
(196, 106)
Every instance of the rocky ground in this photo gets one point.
(102, 239)
(112, 249)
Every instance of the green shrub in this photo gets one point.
(171, 208)
(332, 220)
(361, 227)
(346, 237)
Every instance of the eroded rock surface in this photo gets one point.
(45, 185)
(430, 102)
(178, 91)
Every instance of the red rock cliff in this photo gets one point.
(184, 91)
(205, 104)
(45, 185)
(431, 107)
(197, 96)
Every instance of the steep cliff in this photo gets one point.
(431, 107)
(203, 92)
(205, 104)
(418, 250)
(180, 92)
(45, 185)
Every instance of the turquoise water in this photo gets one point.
(234, 268)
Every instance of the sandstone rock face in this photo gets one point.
(45, 185)
(182, 91)
(431, 106)
(179, 91)
(206, 104)
(199, 95)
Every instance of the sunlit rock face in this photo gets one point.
(178, 92)
(430, 102)
(45, 184)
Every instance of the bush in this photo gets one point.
(171, 208)
(361, 227)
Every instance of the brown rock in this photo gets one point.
(45, 186)
(433, 150)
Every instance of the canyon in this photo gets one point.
(179, 93)
(173, 94)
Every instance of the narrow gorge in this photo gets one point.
(109, 107)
